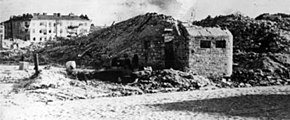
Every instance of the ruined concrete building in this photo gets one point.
(206, 51)
(160, 41)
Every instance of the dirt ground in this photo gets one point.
(205, 104)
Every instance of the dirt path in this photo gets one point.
(242, 103)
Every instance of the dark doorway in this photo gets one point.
(169, 55)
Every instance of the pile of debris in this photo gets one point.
(250, 35)
(262, 69)
(100, 46)
(13, 56)
(168, 80)
(147, 80)
(54, 84)
(261, 48)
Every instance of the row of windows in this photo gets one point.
(59, 23)
(42, 38)
(207, 44)
(45, 31)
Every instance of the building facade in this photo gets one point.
(2, 33)
(205, 51)
(43, 27)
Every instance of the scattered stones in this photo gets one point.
(169, 80)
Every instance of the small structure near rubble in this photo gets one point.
(158, 41)
(206, 51)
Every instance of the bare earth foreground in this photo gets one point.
(239, 103)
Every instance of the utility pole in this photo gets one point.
(36, 63)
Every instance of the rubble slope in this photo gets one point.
(100, 46)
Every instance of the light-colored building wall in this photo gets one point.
(45, 27)
(42, 30)
(2, 34)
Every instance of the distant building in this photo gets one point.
(43, 27)
(2, 30)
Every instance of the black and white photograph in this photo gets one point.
(144, 60)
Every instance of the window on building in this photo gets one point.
(40, 38)
(220, 44)
(60, 31)
(49, 31)
(34, 39)
(146, 44)
(205, 44)
(44, 31)
(40, 31)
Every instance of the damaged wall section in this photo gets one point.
(205, 51)
(211, 51)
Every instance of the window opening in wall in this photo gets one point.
(220, 44)
(40, 31)
(40, 38)
(146, 44)
(34, 39)
(205, 44)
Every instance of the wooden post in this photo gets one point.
(36, 62)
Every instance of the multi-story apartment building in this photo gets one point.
(2, 30)
(43, 27)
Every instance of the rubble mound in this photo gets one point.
(262, 69)
(169, 80)
(96, 49)
(280, 18)
(261, 47)
(251, 35)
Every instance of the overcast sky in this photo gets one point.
(106, 11)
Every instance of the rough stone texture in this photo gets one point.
(211, 61)
(188, 55)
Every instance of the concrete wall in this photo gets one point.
(211, 61)
(151, 54)
(181, 53)
(2, 34)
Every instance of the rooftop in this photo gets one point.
(207, 31)
(44, 16)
